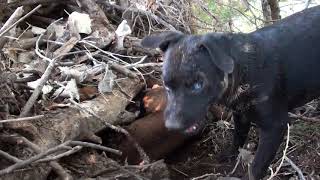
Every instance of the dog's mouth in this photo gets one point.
(193, 129)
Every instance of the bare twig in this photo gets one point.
(128, 171)
(67, 153)
(38, 158)
(55, 165)
(283, 157)
(13, 18)
(58, 54)
(146, 13)
(31, 2)
(22, 119)
(122, 70)
(17, 139)
(295, 167)
(9, 157)
(294, 116)
(142, 154)
(27, 162)
(20, 20)
(95, 146)
(144, 65)
(204, 176)
(306, 4)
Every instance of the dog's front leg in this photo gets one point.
(242, 127)
(270, 139)
(240, 134)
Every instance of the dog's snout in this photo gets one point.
(173, 125)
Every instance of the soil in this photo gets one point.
(200, 156)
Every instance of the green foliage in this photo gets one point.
(226, 11)
(223, 11)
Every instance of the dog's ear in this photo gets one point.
(162, 40)
(217, 54)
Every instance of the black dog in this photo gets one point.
(280, 63)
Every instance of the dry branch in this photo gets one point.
(95, 146)
(58, 54)
(273, 174)
(32, 2)
(310, 119)
(67, 153)
(66, 145)
(13, 18)
(295, 167)
(9, 157)
(139, 11)
(19, 20)
(27, 162)
(22, 119)
(15, 139)
(119, 129)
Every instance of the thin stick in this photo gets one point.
(24, 163)
(146, 13)
(204, 176)
(284, 155)
(9, 157)
(140, 150)
(13, 18)
(95, 146)
(55, 165)
(67, 153)
(294, 116)
(144, 65)
(295, 167)
(20, 20)
(45, 77)
(22, 119)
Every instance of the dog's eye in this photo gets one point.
(167, 88)
(196, 87)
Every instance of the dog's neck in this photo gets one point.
(244, 65)
(231, 84)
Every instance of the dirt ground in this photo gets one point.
(200, 156)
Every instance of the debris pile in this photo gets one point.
(81, 98)
(70, 69)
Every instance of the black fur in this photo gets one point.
(280, 63)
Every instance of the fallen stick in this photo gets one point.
(9, 157)
(295, 167)
(58, 54)
(273, 174)
(142, 153)
(66, 145)
(146, 13)
(123, 70)
(95, 146)
(20, 20)
(22, 119)
(144, 65)
(13, 18)
(294, 116)
(55, 165)
(24, 163)
(67, 153)
(32, 2)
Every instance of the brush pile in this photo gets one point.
(69, 69)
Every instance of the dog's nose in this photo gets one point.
(173, 125)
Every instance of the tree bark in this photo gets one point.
(275, 10)
(271, 11)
